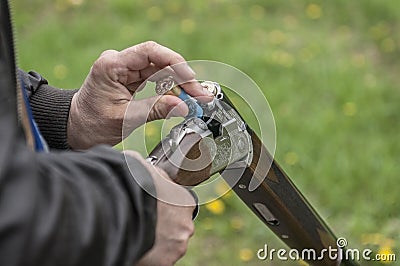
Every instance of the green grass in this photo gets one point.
(327, 68)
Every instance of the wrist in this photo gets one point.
(89, 126)
(76, 135)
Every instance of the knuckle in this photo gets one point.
(104, 62)
(183, 242)
(179, 58)
(182, 249)
(161, 172)
(107, 52)
(191, 229)
(151, 44)
(165, 263)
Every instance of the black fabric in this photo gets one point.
(66, 208)
(50, 108)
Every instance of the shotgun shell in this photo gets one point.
(167, 86)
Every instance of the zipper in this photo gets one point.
(10, 59)
(8, 43)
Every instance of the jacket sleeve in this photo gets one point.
(50, 108)
(70, 208)
(74, 209)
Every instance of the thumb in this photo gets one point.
(153, 108)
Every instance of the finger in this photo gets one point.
(190, 87)
(161, 57)
(149, 71)
(168, 106)
(136, 155)
(197, 91)
(174, 194)
(136, 80)
(162, 73)
(167, 191)
(154, 108)
(109, 52)
(152, 52)
(134, 76)
(143, 55)
(136, 86)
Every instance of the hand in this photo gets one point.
(98, 108)
(174, 227)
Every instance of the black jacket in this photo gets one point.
(64, 207)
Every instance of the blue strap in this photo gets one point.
(40, 144)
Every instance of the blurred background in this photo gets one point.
(327, 68)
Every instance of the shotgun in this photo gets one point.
(215, 139)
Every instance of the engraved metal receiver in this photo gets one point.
(212, 137)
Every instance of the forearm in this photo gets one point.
(70, 208)
(74, 209)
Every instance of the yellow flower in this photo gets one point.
(188, 26)
(60, 71)
(291, 158)
(151, 130)
(349, 109)
(246, 254)
(358, 60)
(223, 189)
(306, 54)
(372, 239)
(277, 37)
(303, 263)
(154, 13)
(283, 58)
(216, 206)
(207, 224)
(76, 2)
(386, 255)
(236, 223)
(314, 11)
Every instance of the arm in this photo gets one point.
(73, 209)
(66, 217)
(68, 208)
(105, 95)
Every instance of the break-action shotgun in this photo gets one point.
(215, 139)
